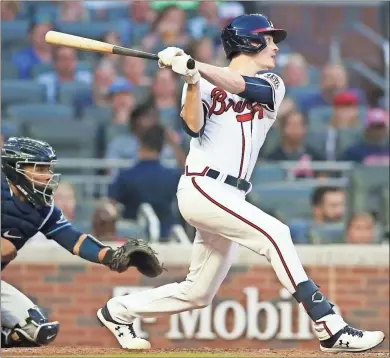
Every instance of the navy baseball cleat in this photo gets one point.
(124, 333)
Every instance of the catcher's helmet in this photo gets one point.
(20, 151)
(241, 32)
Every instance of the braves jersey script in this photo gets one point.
(20, 221)
(235, 128)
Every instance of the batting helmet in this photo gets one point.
(239, 35)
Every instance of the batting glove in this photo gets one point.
(179, 65)
(166, 56)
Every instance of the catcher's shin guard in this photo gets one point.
(35, 331)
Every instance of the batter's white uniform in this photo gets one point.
(234, 132)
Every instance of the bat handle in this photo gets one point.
(191, 64)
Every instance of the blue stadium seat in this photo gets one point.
(292, 200)
(93, 30)
(267, 173)
(21, 91)
(48, 112)
(332, 233)
(100, 114)
(68, 92)
(13, 31)
(314, 75)
(319, 116)
(70, 139)
(296, 93)
(9, 71)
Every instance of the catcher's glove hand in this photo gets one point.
(134, 253)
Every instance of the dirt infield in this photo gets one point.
(114, 352)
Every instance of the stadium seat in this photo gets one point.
(347, 137)
(13, 31)
(115, 130)
(70, 139)
(21, 91)
(292, 200)
(129, 228)
(319, 116)
(100, 114)
(94, 30)
(327, 233)
(52, 112)
(267, 173)
(296, 93)
(314, 75)
(45, 9)
(68, 92)
(9, 71)
(366, 187)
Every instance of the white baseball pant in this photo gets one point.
(223, 220)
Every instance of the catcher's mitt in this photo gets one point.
(134, 253)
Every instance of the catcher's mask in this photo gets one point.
(29, 165)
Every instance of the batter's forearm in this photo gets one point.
(224, 78)
(192, 111)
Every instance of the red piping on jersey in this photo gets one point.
(254, 226)
(201, 174)
(242, 150)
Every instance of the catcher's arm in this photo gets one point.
(8, 250)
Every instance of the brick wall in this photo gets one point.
(73, 292)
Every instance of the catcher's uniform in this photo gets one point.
(211, 197)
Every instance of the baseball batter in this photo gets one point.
(228, 112)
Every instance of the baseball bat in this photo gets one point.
(86, 44)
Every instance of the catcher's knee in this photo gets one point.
(35, 331)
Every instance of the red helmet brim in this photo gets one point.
(278, 34)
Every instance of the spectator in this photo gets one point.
(121, 100)
(328, 205)
(334, 79)
(227, 11)
(103, 78)
(360, 229)
(286, 107)
(133, 69)
(164, 93)
(134, 29)
(104, 222)
(345, 115)
(374, 147)
(109, 59)
(126, 146)
(292, 146)
(167, 30)
(65, 70)
(38, 52)
(65, 199)
(148, 182)
(295, 72)
(202, 50)
(9, 10)
(72, 11)
(206, 23)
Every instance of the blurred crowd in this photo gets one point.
(135, 106)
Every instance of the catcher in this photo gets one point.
(28, 183)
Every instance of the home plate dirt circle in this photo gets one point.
(115, 352)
